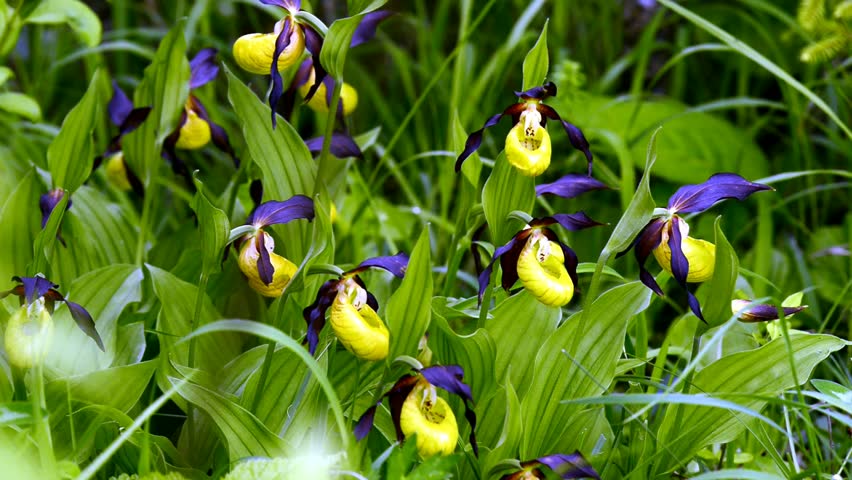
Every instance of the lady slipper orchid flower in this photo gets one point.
(417, 409)
(353, 310)
(30, 329)
(528, 143)
(688, 259)
(195, 128)
(565, 466)
(546, 267)
(750, 312)
(123, 115)
(269, 273)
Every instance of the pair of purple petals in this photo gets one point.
(687, 199)
(575, 135)
(276, 213)
(567, 467)
(314, 314)
(446, 377)
(31, 288)
(313, 41)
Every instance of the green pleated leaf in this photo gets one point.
(20, 105)
(536, 63)
(213, 227)
(70, 155)
(410, 307)
(364, 6)
(284, 160)
(244, 435)
(19, 222)
(475, 353)
(502, 428)
(578, 360)
(764, 371)
(506, 190)
(164, 87)
(16, 413)
(716, 306)
(104, 293)
(117, 387)
(519, 325)
(336, 45)
(74, 13)
(286, 374)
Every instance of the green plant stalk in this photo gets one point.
(325, 167)
(41, 424)
(147, 205)
(270, 352)
(196, 315)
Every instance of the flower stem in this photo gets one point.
(42, 424)
(143, 223)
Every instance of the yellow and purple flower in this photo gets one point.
(267, 272)
(749, 312)
(546, 267)
(565, 466)
(123, 115)
(30, 329)
(353, 314)
(528, 144)
(417, 409)
(688, 259)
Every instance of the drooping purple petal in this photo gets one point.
(217, 133)
(721, 186)
(474, 140)
(133, 119)
(366, 30)
(485, 276)
(365, 423)
(570, 186)
(35, 287)
(48, 202)
(645, 243)
(569, 466)
(313, 42)
(274, 212)
(85, 322)
(680, 266)
(342, 146)
(509, 260)
(314, 314)
(761, 312)
(203, 68)
(119, 105)
(575, 135)
(395, 264)
(538, 93)
(265, 269)
(303, 73)
(281, 42)
(574, 221)
(396, 396)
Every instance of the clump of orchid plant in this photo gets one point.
(528, 144)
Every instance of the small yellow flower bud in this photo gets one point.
(318, 103)
(284, 269)
(431, 418)
(541, 269)
(254, 52)
(528, 148)
(357, 325)
(194, 133)
(29, 334)
(700, 254)
(116, 172)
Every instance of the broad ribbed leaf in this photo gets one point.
(336, 45)
(74, 13)
(519, 325)
(164, 87)
(118, 387)
(764, 371)
(241, 431)
(578, 360)
(104, 293)
(410, 307)
(716, 306)
(474, 353)
(285, 377)
(70, 155)
(364, 6)
(536, 63)
(506, 190)
(21, 105)
(19, 222)
(213, 228)
(287, 166)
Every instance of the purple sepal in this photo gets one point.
(313, 42)
(575, 135)
(721, 186)
(538, 93)
(119, 105)
(395, 264)
(450, 378)
(85, 323)
(342, 146)
(274, 212)
(34, 287)
(203, 68)
(265, 270)
(765, 312)
(680, 266)
(474, 140)
(365, 423)
(282, 42)
(570, 186)
(573, 221)
(304, 72)
(366, 30)
(48, 202)
(569, 466)
(291, 5)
